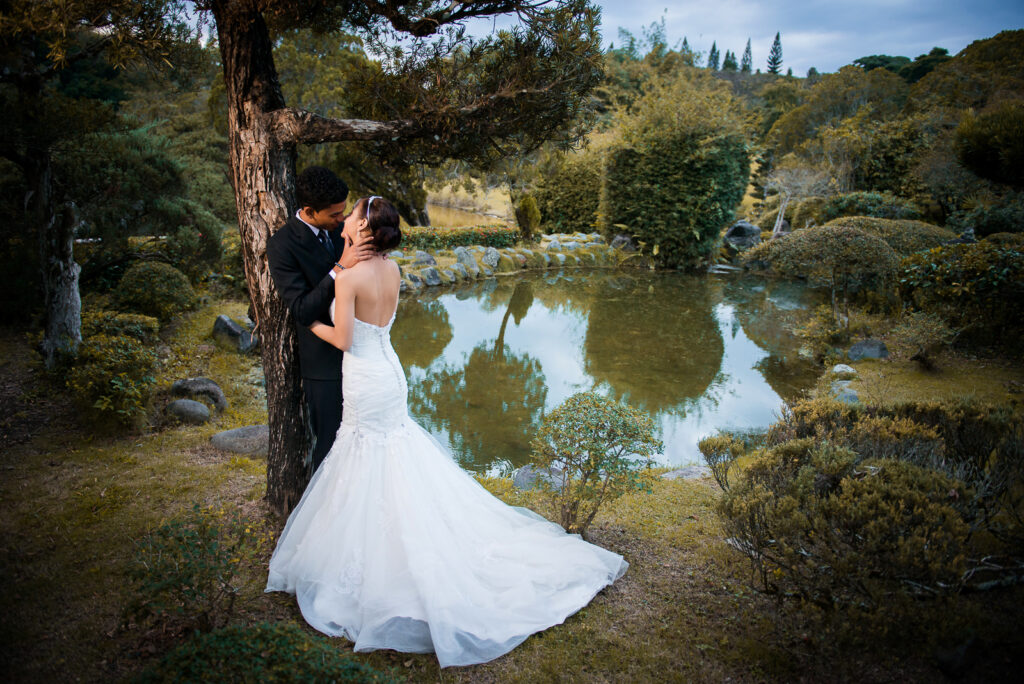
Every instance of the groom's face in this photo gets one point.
(328, 218)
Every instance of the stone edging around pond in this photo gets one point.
(421, 268)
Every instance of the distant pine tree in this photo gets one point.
(686, 45)
(789, 72)
(713, 57)
(812, 73)
(729, 62)
(775, 56)
(747, 63)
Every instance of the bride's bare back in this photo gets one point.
(375, 283)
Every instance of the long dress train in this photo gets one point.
(394, 546)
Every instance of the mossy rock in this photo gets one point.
(536, 260)
(506, 264)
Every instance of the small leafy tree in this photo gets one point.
(599, 448)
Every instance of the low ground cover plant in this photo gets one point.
(429, 237)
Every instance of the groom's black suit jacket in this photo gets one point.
(300, 267)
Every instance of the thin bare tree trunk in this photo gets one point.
(263, 170)
(777, 228)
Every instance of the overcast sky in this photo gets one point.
(825, 35)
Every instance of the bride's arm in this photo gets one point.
(340, 334)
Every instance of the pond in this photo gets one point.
(699, 353)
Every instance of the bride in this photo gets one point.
(393, 545)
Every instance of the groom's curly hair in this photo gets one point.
(318, 188)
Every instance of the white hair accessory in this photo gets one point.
(366, 214)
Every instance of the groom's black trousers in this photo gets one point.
(323, 397)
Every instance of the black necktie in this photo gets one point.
(322, 235)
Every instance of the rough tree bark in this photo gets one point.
(56, 234)
(263, 173)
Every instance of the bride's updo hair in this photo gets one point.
(382, 222)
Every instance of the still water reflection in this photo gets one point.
(699, 353)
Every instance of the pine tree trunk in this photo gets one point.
(63, 304)
(263, 175)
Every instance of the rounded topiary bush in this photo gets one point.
(155, 289)
(674, 179)
(904, 236)
(259, 653)
(115, 324)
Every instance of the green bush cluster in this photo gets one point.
(112, 375)
(600, 449)
(991, 143)
(674, 179)
(904, 236)
(187, 569)
(567, 194)
(155, 289)
(528, 217)
(978, 288)
(263, 652)
(495, 235)
(850, 505)
(117, 324)
(1005, 215)
(869, 203)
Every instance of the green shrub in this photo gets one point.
(495, 235)
(528, 217)
(919, 335)
(1007, 240)
(263, 652)
(1005, 215)
(874, 204)
(567, 195)
(904, 236)
(155, 289)
(187, 569)
(113, 376)
(977, 288)
(115, 324)
(801, 213)
(991, 143)
(719, 452)
(844, 259)
(600, 447)
(675, 178)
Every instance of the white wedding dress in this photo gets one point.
(394, 546)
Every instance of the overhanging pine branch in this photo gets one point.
(292, 125)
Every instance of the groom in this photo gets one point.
(305, 255)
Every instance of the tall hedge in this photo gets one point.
(567, 194)
(678, 172)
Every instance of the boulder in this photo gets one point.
(430, 276)
(594, 244)
(570, 246)
(231, 333)
(396, 254)
(491, 257)
(724, 269)
(529, 476)
(742, 235)
(414, 281)
(623, 242)
(461, 272)
(467, 261)
(486, 270)
(201, 387)
(251, 439)
(693, 472)
(189, 411)
(843, 369)
(424, 259)
(868, 349)
(554, 245)
(561, 258)
(448, 276)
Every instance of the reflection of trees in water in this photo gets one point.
(768, 312)
(490, 405)
(656, 343)
(421, 332)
